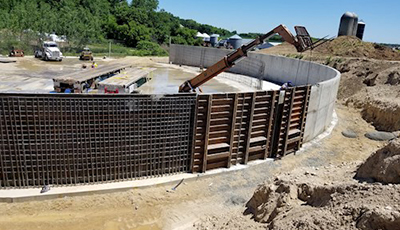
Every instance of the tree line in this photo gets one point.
(96, 21)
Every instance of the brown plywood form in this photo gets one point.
(236, 128)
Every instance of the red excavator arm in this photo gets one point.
(302, 42)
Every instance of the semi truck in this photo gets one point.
(49, 52)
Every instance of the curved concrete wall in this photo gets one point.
(324, 80)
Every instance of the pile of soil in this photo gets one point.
(312, 198)
(343, 46)
(312, 202)
(382, 166)
(346, 46)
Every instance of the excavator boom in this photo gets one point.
(302, 42)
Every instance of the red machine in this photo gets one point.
(16, 53)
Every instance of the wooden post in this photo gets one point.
(288, 121)
(304, 116)
(249, 127)
(207, 132)
(271, 117)
(233, 124)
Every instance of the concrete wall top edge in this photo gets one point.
(277, 69)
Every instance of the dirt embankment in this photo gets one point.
(372, 86)
(344, 46)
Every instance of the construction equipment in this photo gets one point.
(302, 41)
(16, 53)
(86, 54)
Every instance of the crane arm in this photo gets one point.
(302, 42)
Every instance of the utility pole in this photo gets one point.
(109, 50)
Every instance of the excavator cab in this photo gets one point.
(303, 37)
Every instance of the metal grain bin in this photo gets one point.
(348, 22)
(236, 41)
(214, 39)
(360, 29)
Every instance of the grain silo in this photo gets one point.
(360, 29)
(235, 41)
(348, 24)
(355, 24)
(214, 39)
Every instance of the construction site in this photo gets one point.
(303, 135)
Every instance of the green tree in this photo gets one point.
(148, 5)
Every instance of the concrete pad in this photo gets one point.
(33, 194)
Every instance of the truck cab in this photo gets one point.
(49, 52)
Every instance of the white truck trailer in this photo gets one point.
(126, 82)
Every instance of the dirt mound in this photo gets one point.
(342, 46)
(354, 47)
(316, 206)
(379, 218)
(271, 199)
(382, 166)
(324, 199)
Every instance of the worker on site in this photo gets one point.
(287, 85)
(94, 65)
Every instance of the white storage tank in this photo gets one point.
(360, 29)
(348, 24)
(214, 39)
(236, 41)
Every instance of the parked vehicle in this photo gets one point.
(49, 52)
(16, 53)
(86, 54)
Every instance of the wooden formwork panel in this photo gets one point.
(233, 129)
(292, 114)
(62, 140)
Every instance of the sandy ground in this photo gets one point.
(30, 74)
(193, 202)
(33, 75)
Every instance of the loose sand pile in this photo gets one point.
(382, 166)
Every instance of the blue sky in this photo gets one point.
(321, 17)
